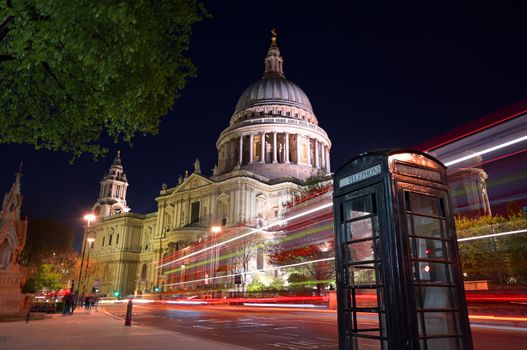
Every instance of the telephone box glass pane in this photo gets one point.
(433, 272)
(433, 297)
(428, 249)
(442, 343)
(357, 208)
(426, 205)
(428, 227)
(362, 275)
(439, 323)
(368, 325)
(361, 251)
(366, 298)
(359, 229)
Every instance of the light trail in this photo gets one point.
(488, 150)
(297, 306)
(477, 130)
(491, 235)
(491, 160)
(280, 222)
(252, 272)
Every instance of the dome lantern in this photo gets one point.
(274, 62)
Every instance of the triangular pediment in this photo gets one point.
(261, 196)
(192, 182)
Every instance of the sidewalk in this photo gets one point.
(95, 330)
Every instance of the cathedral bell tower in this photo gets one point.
(112, 196)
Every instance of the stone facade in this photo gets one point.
(272, 144)
(13, 231)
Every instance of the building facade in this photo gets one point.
(13, 231)
(272, 144)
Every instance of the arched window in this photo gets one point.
(143, 273)
(5, 254)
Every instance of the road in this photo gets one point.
(278, 328)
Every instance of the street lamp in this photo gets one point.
(89, 218)
(90, 241)
(215, 230)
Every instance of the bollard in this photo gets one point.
(128, 319)
(27, 317)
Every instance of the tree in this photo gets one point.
(47, 279)
(50, 241)
(246, 250)
(319, 273)
(501, 259)
(75, 72)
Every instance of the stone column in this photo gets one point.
(274, 147)
(241, 149)
(251, 142)
(298, 149)
(262, 155)
(328, 166)
(317, 164)
(309, 151)
(322, 156)
(287, 148)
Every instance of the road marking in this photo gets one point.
(203, 327)
(327, 339)
(254, 325)
(296, 345)
(280, 328)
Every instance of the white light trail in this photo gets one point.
(280, 222)
(297, 306)
(251, 272)
(488, 150)
(491, 235)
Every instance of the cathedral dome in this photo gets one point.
(273, 89)
(273, 131)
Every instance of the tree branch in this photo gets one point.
(4, 26)
(4, 58)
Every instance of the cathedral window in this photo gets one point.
(110, 240)
(103, 239)
(117, 239)
(194, 212)
(260, 259)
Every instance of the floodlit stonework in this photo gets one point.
(13, 232)
(272, 144)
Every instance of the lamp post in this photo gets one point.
(215, 230)
(90, 241)
(89, 218)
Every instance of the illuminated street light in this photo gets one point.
(89, 218)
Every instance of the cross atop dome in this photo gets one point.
(273, 36)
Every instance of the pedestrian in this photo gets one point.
(87, 302)
(66, 304)
(73, 303)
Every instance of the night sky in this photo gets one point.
(377, 76)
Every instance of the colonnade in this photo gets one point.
(275, 147)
